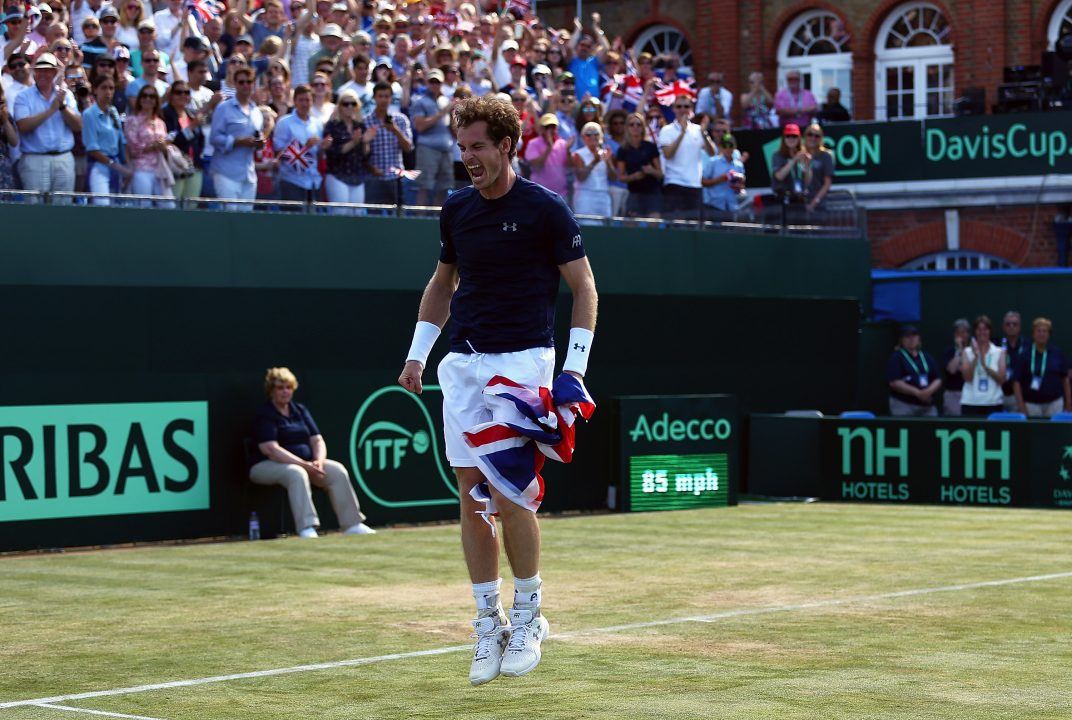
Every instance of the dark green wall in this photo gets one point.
(165, 248)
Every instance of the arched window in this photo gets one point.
(1060, 23)
(914, 64)
(957, 260)
(660, 39)
(817, 45)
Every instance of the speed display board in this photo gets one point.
(678, 452)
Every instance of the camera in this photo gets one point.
(388, 120)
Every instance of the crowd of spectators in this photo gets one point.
(979, 375)
(351, 102)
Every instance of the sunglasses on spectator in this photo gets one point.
(243, 82)
(108, 21)
(591, 134)
(151, 61)
(683, 107)
(145, 31)
(814, 134)
(180, 92)
(62, 48)
(350, 103)
(14, 21)
(588, 108)
(19, 66)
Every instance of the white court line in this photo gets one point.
(92, 712)
(563, 636)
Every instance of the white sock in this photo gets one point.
(527, 593)
(487, 597)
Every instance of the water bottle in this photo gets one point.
(254, 527)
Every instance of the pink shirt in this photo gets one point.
(553, 173)
(139, 135)
(785, 100)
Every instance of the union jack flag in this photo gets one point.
(204, 10)
(630, 86)
(294, 155)
(665, 93)
(522, 7)
(529, 426)
(403, 173)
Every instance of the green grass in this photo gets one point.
(99, 620)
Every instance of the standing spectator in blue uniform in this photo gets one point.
(1041, 383)
(953, 381)
(586, 64)
(297, 140)
(506, 244)
(1015, 346)
(237, 130)
(913, 377)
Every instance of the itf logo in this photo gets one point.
(395, 450)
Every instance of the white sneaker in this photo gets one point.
(309, 532)
(491, 633)
(359, 529)
(528, 629)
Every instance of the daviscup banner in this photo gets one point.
(981, 146)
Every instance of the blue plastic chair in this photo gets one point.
(1062, 417)
(1007, 416)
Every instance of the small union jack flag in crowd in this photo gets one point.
(522, 7)
(630, 86)
(204, 10)
(294, 155)
(667, 93)
(403, 173)
(529, 425)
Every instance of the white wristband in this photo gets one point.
(580, 347)
(424, 337)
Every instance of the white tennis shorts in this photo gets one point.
(463, 379)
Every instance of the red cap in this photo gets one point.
(792, 129)
(519, 61)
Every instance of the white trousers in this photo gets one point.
(340, 192)
(229, 189)
(47, 173)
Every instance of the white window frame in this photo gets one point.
(1062, 12)
(952, 260)
(812, 68)
(649, 33)
(918, 58)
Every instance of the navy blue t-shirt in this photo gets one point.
(921, 368)
(507, 251)
(292, 431)
(954, 381)
(1052, 374)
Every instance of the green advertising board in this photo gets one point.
(978, 146)
(65, 461)
(678, 452)
(948, 462)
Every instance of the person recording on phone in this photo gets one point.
(393, 137)
(46, 116)
(237, 130)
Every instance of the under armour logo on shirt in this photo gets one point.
(578, 346)
(576, 241)
(510, 226)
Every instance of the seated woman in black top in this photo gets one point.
(291, 452)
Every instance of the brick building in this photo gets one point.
(892, 60)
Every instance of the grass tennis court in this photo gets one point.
(798, 619)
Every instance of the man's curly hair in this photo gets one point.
(500, 115)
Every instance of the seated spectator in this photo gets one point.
(639, 166)
(715, 100)
(593, 165)
(794, 104)
(819, 169)
(913, 378)
(102, 135)
(833, 110)
(184, 126)
(548, 155)
(983, 368)
(291, 452)
(953, 382)
(723, 181)
(350, 145)
(1041, 380)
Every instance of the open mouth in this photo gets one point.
(475, 171)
